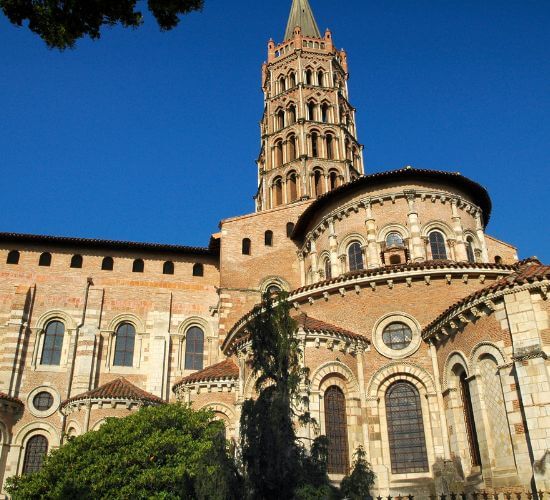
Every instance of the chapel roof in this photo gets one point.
(10, 399)
(301, 15)
(226, 369)
(477, 191)
(117, 389)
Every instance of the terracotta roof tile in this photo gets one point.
(223, 370)
(11, 399)
(117, 389)
(315, 325)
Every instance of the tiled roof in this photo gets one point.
(117, 389)
(479, 193)
(527, 271)
(227, 369)
(64, 241)
(10, 399)
(310, 324)
(412, 266)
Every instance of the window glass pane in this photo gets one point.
(394, 239)
(43, 401)
(397, 336)
(437, 245)
(470, 251)
(355, 257)
(35, 451)
(53, 343)
(336, 431)
(194, 349)
(405, 429)
(124, 345)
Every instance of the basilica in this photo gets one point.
(427, 340)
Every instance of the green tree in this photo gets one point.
(60, 23)
(167, 452)
(356, 486)
(275, 462)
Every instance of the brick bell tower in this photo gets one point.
(308, 134)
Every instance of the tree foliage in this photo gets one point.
(356, 486)
(167, 452)
(275, 461)
(60, 23)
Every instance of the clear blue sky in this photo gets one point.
(151, 136)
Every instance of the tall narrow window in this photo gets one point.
(45, 259)
(268, 238)
(292, 186)
(76, 261)
(321, 78)
(138, 266)
(311, 111)
(333, 179)
(194, 348)
(277, 192)
(107, 264)
(292, 148)
(328, 269)
(324, 112)
(278, 153)
(124, 345)
(13, 257)
(282, 84)
(289, 229)
(168, 267)
(330, 147)
(53, 343)
(470, 249)
(318, 182)
(246, 246)
(280, 119)
(309, 77)
(198, 269)
(355, 256)
(35, 452)
(348, 150)
(405, 429)
(336, 430)
(437, 245)
(314, 144)
(291, 114)
(292, 80)
(468, 411)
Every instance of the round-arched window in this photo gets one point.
(397, 336)
(43, 401)
(394, 239)
(355, 256)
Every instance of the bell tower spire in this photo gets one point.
(308, 136)
(301, 15)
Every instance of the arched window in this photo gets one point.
(405, 429)
(289, 229)
(355, 256)
(280, 119)
(348, 150)
(277, 192)
(320, 78)
(292, 148)
(498, 259)
(76, 261)
(279, 153)
(13, 257)
(53, 343)
(125, 339)
(292, 186)
(330, 147)
(333, 179)
(314, 144)
(309, 76)
(397, 336)
(107, 264)
(318, 182)
(470, 249)
(138, 266)
(194, 348)
(437, 245)
(324, 112)
(291, 114)
(35, 452)
(168, 267)
(292, 80)
(268, 238)
(395, 259)
(336, 430)
(394, 239)
(198, 269)
(328, 269)
(311, 111)
(468, 411)
(45, 259)
(273, 289)
(282, 84)
(246, 246)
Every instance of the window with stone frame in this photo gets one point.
(355, 257)
(52, 345)
(328, 269)
(13, 257)
(470, 254)
(125, 339)
(336, 430)
(194, 348)
(437, 246)
(35, 452)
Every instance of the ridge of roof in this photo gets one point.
(222, 370)
(311, 324)
(301, 15)
(118, 388)
(481, 196)
(10, 399)
(7, 237)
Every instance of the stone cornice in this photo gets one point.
(100, 403)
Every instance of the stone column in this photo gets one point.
(418, 253)
(460, 247)
(440, 402)
(301, 259)
(372, 255)
(481, 237)
(314, 262)
(333, 245)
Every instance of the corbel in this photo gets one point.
(465, 278)
(448, 277)
(409, 281)
(311, 300)
(342, 291)
(544, 292)
(427, 279)
(373, 285)
(390, 284)
(482, 278)
(463, 319)
(325, 295)
(475, 312)
(490, 305)
(357, 289)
